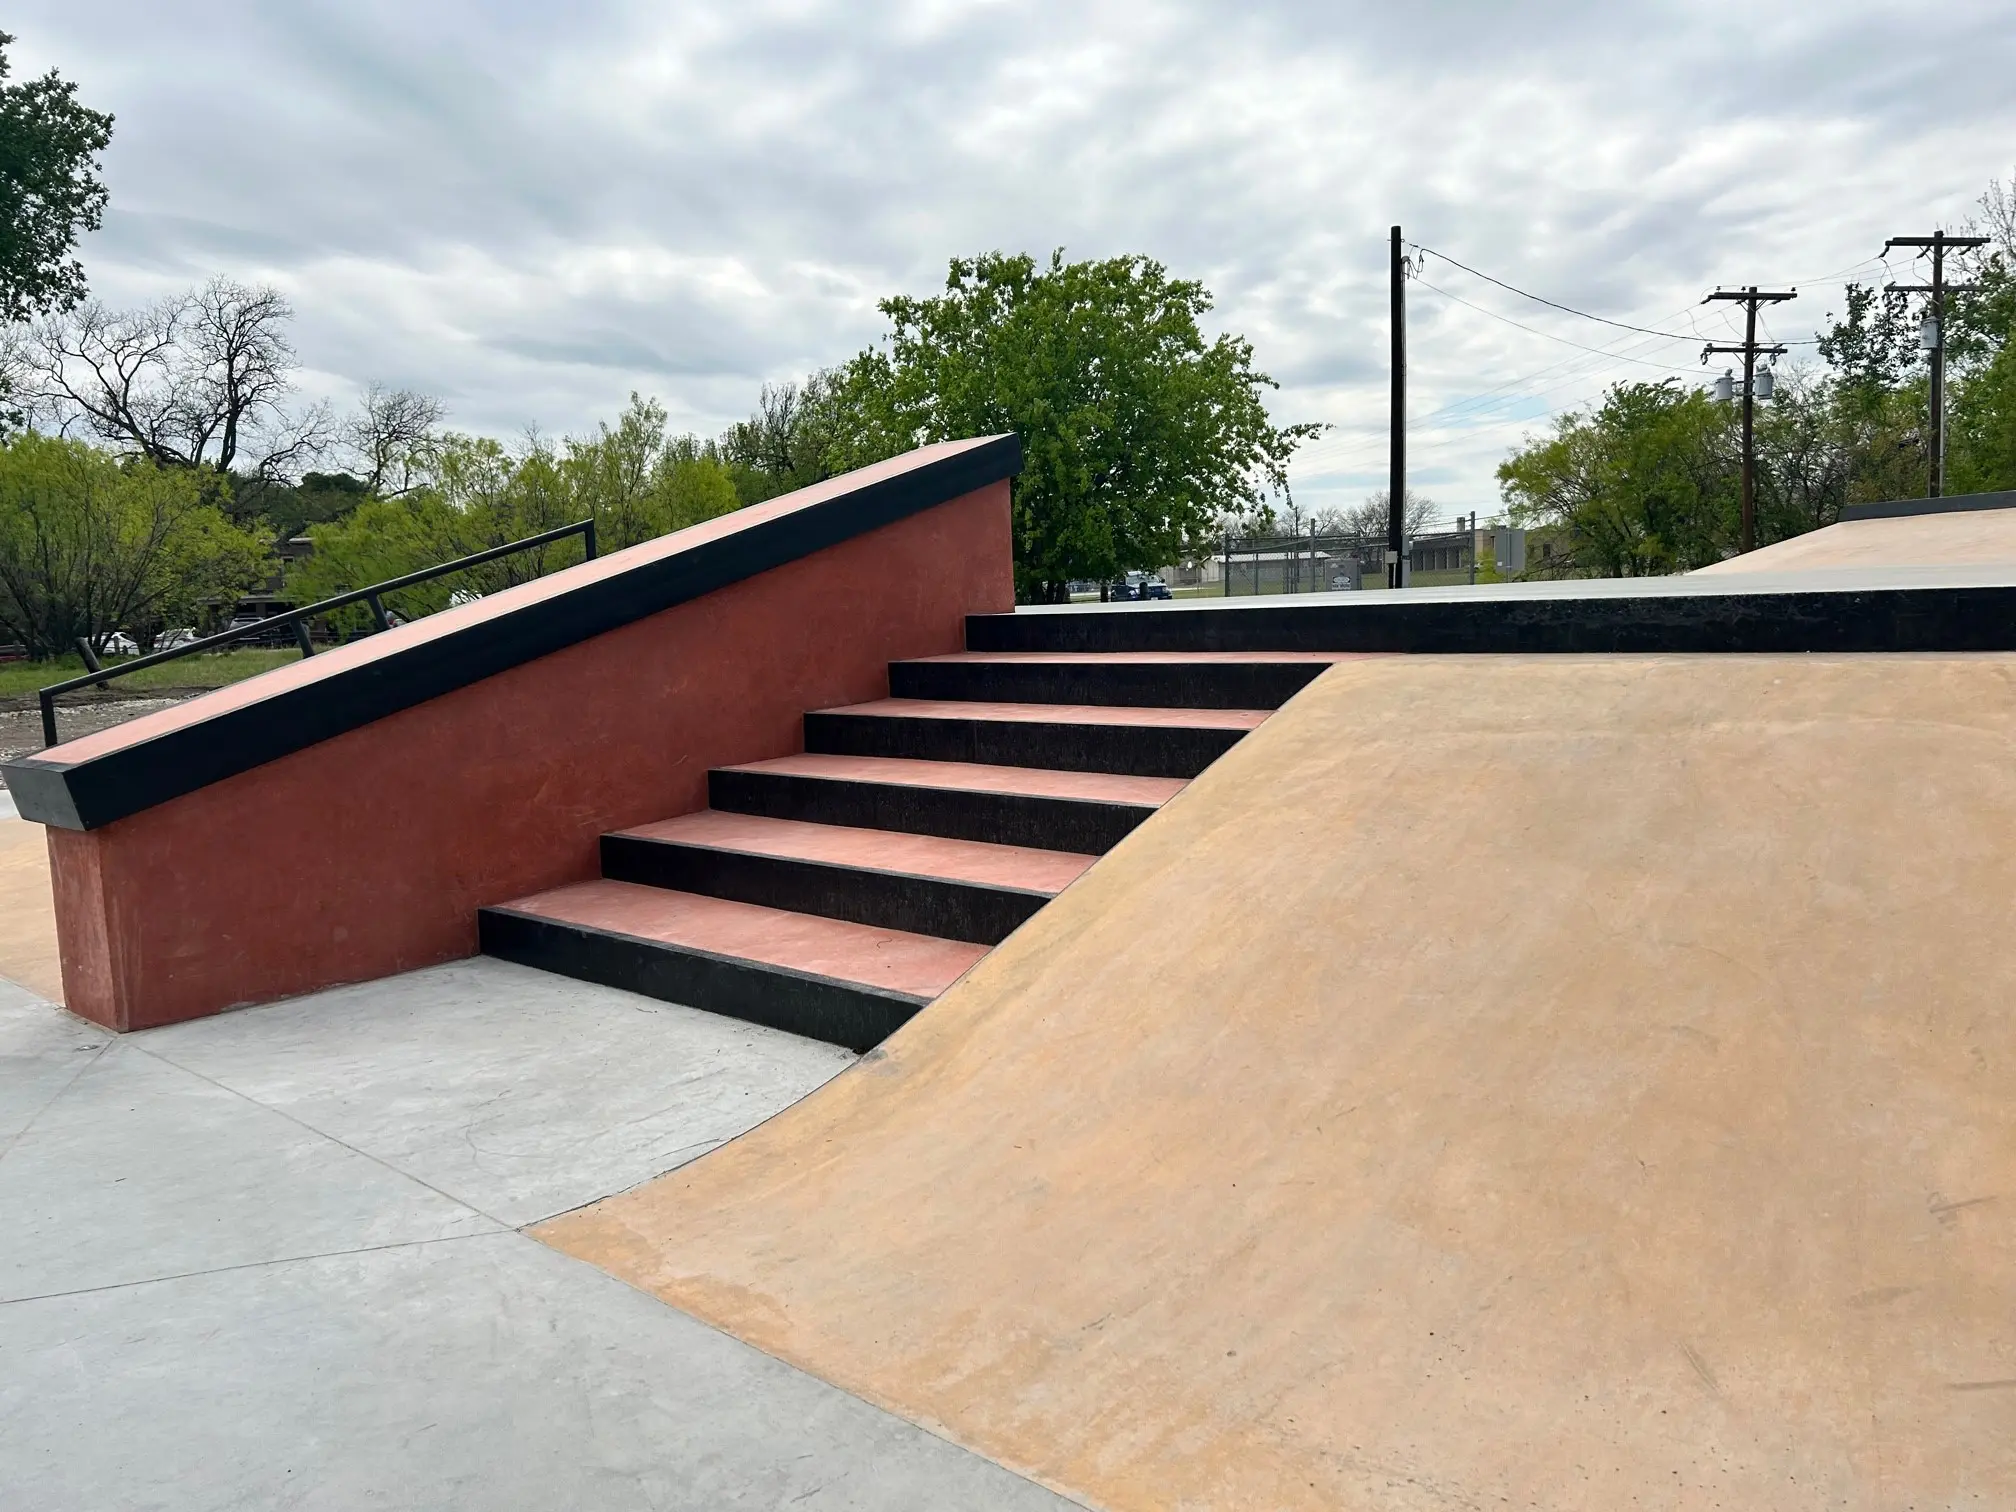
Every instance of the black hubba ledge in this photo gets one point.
(1950, 504)
(100, 790)
(1975, 618)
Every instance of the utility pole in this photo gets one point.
(1396, 494)
(1934, 338)
(1750, 299)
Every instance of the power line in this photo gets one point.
(1549, 336)
(1550, 303)
(1340, 452)
(1344, 451)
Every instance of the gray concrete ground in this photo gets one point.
(271, 1259)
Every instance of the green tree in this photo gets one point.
(696, 485)
(1138, 433)
(50, 192)
(1645, 483)
(90, 544)
(1981, 435)
(631, 479)
(791, 441)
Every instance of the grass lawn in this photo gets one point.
(212, 669)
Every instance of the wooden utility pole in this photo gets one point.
(1935, 328)
(1750, 298)
(1396, 494)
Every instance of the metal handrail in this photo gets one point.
(298, 619)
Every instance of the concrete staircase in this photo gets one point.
(835, 893)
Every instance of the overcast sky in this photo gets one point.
(532, 210)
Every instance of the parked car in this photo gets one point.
(1137, 586)
(119, 643)
(170, 639)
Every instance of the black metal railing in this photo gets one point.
(297, 619)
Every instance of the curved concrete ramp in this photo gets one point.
(1559, 1083)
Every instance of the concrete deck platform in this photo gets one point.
(271, 1259)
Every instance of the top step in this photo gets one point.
(1161, 679)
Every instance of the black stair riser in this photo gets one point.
(889, 900)
(1154, 685)
(1875, 619)
(1065, 824)
(1137, 750)
(840, 1013)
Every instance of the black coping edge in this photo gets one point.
(1135, 750)
(1157, 685)
(1884, 619)
(1081, 825)
(798, 1002)
(948, 907)
(99, 791)
(1952, 504)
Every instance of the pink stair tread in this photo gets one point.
(1154, 658)
(977, 861)
(1036, 713)
(975, 777)
(920, 966)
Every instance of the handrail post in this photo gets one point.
(588, 541)
(90, 656)
(48, 718)
(301, 638)
(378, 610)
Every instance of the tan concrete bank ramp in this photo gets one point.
(1560, 1083)
(1964, 538)
(28, 911)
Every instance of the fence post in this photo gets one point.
(90, 656)
(301, 639)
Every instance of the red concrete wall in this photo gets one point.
(370, 853)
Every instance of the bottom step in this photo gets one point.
(827, 979)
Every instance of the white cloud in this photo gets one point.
(533, 210)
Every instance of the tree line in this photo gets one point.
(161, 456)
(1648, 480)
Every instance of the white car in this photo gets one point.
(170, 639)
(119, 643)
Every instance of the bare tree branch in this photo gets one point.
(201, 379)
(392, 439)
